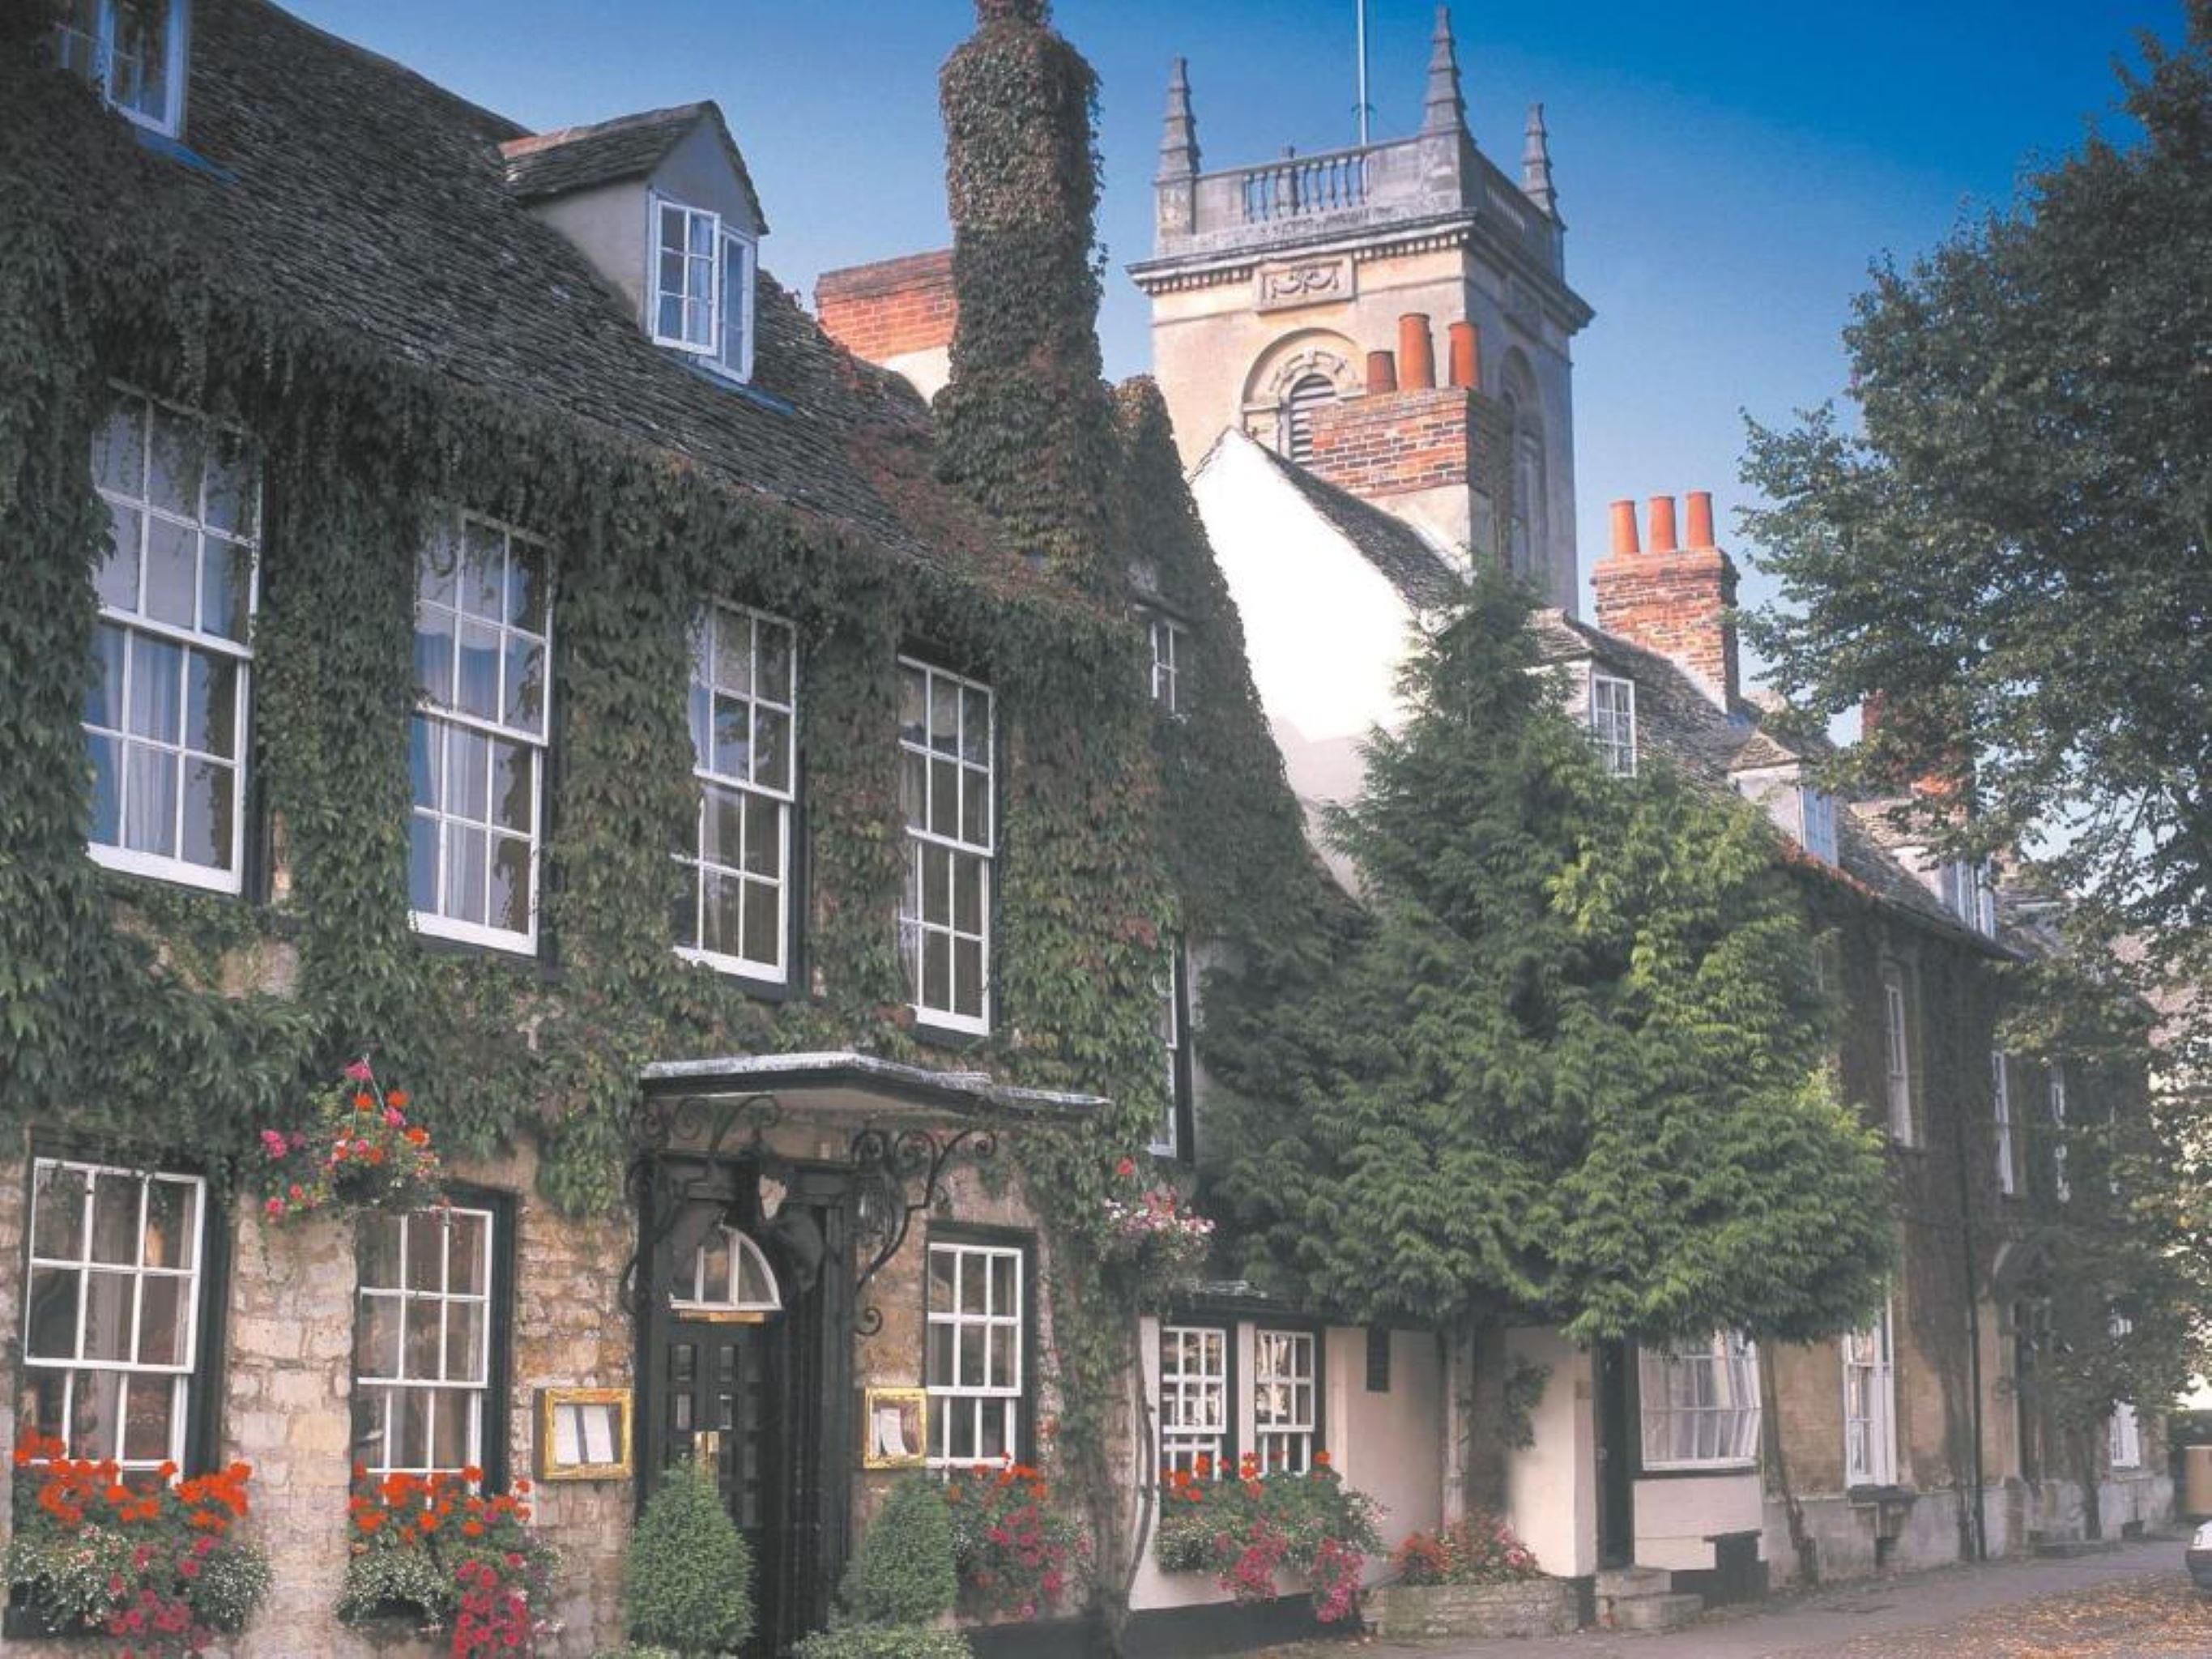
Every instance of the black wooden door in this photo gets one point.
(722, 1387)
(1616, 1456)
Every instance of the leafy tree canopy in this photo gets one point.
(2014, 550)
(1570, 1064)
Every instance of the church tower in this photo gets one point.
(1302, 300)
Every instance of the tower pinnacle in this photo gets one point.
(1445, 109)
(1536, 164)
(1179, 135)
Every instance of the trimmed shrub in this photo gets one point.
(884, 1642)
(902, 1573)
(690, 1575)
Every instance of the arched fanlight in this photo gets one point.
(730, 1276)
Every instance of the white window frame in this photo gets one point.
(1173, 1033)
(138, 626)
(177, 1376)
(1871, 1426)
(957, 1395)
(99, 70)
(1816, 810)
(1168, 640)
(1722, 1410)
(442, 1299)
(2060, 1185)
(741, 1251)
(746, 252)
(706, 641)
(1897, 1054)
(1612, 730)
(657, 208)
(922, 843)
(1193, 1401)
(2123, 1428)
(1286, 1398)
(2001, 1121)
(442, 717)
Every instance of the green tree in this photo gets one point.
(690, 1584)
(1571, 1066)
(902, 1572)
(2012, 548)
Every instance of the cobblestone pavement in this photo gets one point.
(2136, 1604)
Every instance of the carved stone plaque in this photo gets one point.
(1305, 282)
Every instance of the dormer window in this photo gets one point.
(1817, 811)
(703, 287)
(134, 51)
(1970, 893)
(1613, 723)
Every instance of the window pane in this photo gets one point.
(161, 1313)
(116, 579)
(732, 738)
(913, 706)
(468, 774)
(172, 481)
(150, 814)
(433, 654)
(508, 904)
(211, 793)
(376, 1337)
(764, 851)
(464, 1340)
(148, 1426)
(107, 1298)
(514, 784)
(226, 579)
(118, 448)
(467, 1253)
(975, 805)
(172, 572)
(106, 790)
(96, 1414)
(772, 756)
(422, 866)
(156, 690)
(477, 692)
(945, 798)
(50, 1332)
(723, 928)
(419, 1356)
(974, 726)
(944, 714)
(723, 835)
(525, 684)
(211, 703)
(115, 1220)
(761, 920)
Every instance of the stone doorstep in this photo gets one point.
(1650, 1613)
(1624, 1584)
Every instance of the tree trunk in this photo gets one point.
(1482, 1455)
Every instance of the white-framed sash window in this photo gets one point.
(1613, 722)
(1817, 811)
(2060, 1185)
(735, 911)
(1897, 1054)
(947, 778)
(423, 1337)
(1286, 1400)
(134, 51)
(483, 681)
(165, 718)
(974, 1358)
(1699, 1403)
(1168, 652)
(2124, 1429)
(1194, 1402)
(1173, 1018)
(701, 287)
(2000, 1122)
(1870, 1404)
(111, 1312)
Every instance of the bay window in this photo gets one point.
(1699, 1403)
(1286, 1400)
(113, 1316)
(946, 777)
(974, 1358)
(423, 1333)
(735, 911)
(482, 674)
(165, 716)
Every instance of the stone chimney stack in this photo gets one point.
(1675, 600)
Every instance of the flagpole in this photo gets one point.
(1362, 8)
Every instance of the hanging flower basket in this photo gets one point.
(355, 1152)
(1152, 1235)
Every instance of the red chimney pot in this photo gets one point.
(1465, 356)
(1624, 544)
(1701, 518)
(1417, 352)
(1663, 524)
(1381, 373)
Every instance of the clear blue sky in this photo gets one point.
(1726, 171)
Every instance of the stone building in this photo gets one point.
(462, 612)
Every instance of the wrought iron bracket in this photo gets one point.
(896, 1176)
(660, 1126)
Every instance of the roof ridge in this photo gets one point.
(530, 143)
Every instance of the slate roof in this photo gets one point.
(360, 197)
(1676, 720)
(543, 164)
(1423, 576)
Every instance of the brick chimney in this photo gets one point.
(1675, 600)
(896, 313)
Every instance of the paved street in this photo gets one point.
(2138, 1604)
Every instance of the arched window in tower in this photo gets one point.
(1306, 394)
(1525, 539)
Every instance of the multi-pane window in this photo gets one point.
(974, 1357)
(1613, 723)
(2059, 1184)
(133, 51)
(1167, 665)
(1870, 1405)
(423, 1333)
(1897, 1056)
(1193, 1396)
(730, 1274)
(2001, 1121)
(687, 269)
(1699, 1403)
(946, 787)
(1970, 893)
(703, 287)
(1817, 809)
(483, 622)
(165, 715)
(111, 1320)
(1285, 1391)
(735, 912)
(1167, 1138)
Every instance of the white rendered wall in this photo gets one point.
(1551, 1488)
(1677, 1516)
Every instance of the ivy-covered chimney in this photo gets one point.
(1026, 424)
